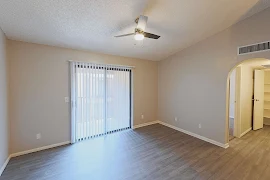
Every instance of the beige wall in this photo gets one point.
(193, 82)
(4, 125)
(39, 81)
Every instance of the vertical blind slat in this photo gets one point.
(80, 100)
(94, 101)
(83, 104)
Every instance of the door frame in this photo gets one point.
(237, 108)
(72, 95)
(237, 104)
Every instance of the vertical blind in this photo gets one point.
(101, 99)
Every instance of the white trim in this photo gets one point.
(131, 99)
(4, 165)
(196, 135)
(72, 103)
(237, 110)
(134, 127)
(249, 129)
(39, 149)
(225, 146)
(145, 124)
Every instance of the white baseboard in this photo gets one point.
(249, 129)
(4, 165)
(196, 135)
(134, 127)
(39, 149)
(145, 124)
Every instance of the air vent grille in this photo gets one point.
(266, 66)
(254, 48)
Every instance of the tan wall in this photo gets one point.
(4, 125)
(39, 81)
(193, 82)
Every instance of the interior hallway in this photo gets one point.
(231, 128)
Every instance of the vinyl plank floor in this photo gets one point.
(153, 152)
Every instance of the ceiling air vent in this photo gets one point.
(265, 46)
(266, 66)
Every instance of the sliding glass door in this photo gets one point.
(101, 99)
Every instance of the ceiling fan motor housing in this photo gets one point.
(139, 31)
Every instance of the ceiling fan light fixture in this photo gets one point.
(138, 37)
(139, 33)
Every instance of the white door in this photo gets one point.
(258, 99)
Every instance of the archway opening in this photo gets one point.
(244, 81)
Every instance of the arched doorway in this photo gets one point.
(242, 120)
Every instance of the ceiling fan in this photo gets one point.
(139, 33)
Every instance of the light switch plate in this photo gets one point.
(66, 99)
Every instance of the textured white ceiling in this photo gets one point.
(91, 24)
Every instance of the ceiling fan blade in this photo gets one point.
(149, 35)
(142, 22)
(123, 35)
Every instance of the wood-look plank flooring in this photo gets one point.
(154, 152)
